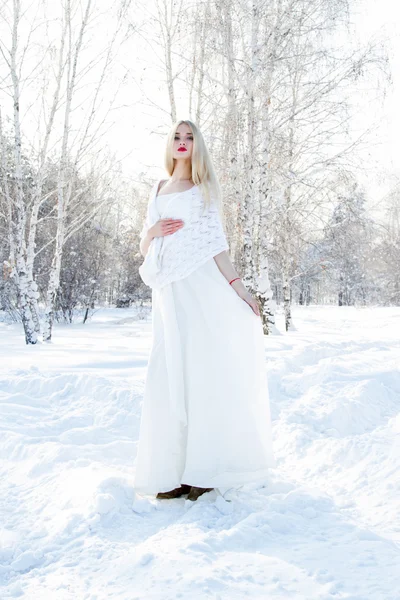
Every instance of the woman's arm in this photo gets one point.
(227, 269)
(145, 243)
(163, 227)
(148, 234)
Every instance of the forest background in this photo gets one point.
(297, 101)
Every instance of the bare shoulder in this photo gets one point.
(160, 184)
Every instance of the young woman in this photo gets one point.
(205, 420)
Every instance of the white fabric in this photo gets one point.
(205, 416)
(175, 256)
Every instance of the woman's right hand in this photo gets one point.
(165, 227)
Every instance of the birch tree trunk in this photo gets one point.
(64, 186)
(38, 194)
(287, 228)
(286, 274)
(247, 215)
(170, 17)
(263, 288)
(201, 62)
(229, 125)
(27, 296)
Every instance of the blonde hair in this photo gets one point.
(203, 174)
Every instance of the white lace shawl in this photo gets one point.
(173, 257)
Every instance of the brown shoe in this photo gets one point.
(176, 493)
(195, 492)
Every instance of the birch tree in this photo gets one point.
(279, 106)
(308, 117)
(65, 139)
(64, 176)
(387, 252)
(14, 192)
(348, 247)
(169, 19)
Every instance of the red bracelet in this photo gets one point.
(234, 280)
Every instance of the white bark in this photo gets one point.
(38, 199)
(248, 209)
(169, 20)
(64, 186)
(27, 295)
(273, 23)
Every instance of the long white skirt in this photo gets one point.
(206, 416)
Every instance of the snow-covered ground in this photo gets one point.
(325, 525)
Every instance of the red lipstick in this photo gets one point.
(182, 149)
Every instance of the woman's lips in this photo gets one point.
(182, 150)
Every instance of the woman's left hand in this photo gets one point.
(251, 301)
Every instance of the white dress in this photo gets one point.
(206, 361)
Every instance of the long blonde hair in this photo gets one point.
(203, 174)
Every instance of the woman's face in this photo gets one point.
(183, 142)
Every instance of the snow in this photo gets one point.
(324, 525)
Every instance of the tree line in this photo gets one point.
(270, 83)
